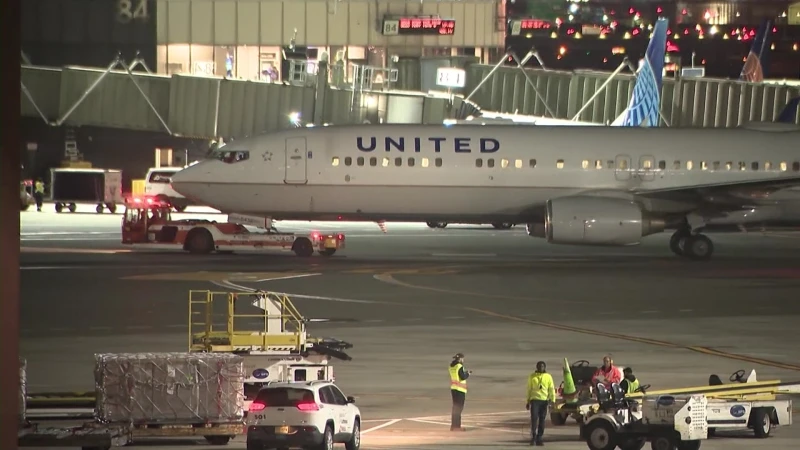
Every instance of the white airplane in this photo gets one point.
(576, 185)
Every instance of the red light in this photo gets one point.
(340, 236)
(308, 407)
(659, 10)
(774, 29)
(685, 31)
(315, 235)
(257, 406)
(630, 11)
(683, 12)
(635, 31)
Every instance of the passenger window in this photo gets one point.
(716, 165)
(478, 162)
(610, 164)
(729, 165)
(742, 165)
(425, 162)
(438, 162)
(585, 164)
(768, 165)
(326, 396)
(560, 164)
(676, 165)
(504, 163)
(410, 162)
(647, 164)
(796, 166)
(703, 165)
(360, 161)
(335, 161)
(398, 162)
(689, 165)
(373, 161)
(754, 165)
(598, 164)
(783, 166)
(490, 163)
(532, 163)
(662, 165)
(385, 162)
(518, 164)
(348, 161)
(623, 164)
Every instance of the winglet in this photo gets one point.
(643, 110)
(756, 62)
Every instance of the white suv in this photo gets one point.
(313, 414)
(157, 184)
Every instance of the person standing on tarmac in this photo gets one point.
(458, 390)
(541, 394)
(629, 383)
(38, 194)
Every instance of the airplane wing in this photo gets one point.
(738, 186)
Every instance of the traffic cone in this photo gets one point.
(569, 393)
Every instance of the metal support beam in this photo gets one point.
(25, 60)
(521, 67)
(30, 99)
(488, 75)
(145, 97)
(605, 84)
(88, 91)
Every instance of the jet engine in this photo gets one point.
(597, 221)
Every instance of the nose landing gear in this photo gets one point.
(696, 247)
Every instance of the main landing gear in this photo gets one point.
(697, 247)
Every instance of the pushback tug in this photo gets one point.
(148, 223)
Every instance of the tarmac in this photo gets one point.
(410, 298)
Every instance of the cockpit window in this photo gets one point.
(232, 156)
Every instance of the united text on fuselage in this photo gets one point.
(437, 144)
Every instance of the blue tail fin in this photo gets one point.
(643, 110)
(756, 62)
(789, 113)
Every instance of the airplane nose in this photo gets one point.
(184, 181)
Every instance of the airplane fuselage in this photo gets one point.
(477, 173)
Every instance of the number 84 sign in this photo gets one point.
(130, 10)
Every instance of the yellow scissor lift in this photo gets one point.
(267, 330)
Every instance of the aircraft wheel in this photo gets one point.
(502, 225)
(436, 224)
(698, 247)
(678, 241)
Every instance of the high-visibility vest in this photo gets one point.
(456, 383)
(39, 187)
(633, 386)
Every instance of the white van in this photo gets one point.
(157, 184)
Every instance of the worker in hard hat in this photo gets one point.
(629, 383)
(607, 374)
(541, 393)
(458, 390)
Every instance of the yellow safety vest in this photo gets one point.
(541, 387)
(633, 386)
(39, 187)
(456, 383)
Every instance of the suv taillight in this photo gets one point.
(257, 406)
(308, 407)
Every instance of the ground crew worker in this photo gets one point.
(38, 194)
(629, 383)
(541, 394)
(607, 374)
(458, 390)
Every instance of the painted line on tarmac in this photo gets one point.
(431, 422)
(465, 255)
(378, 427)
(71, 250)
(656, 342)
(388, 278)
(230, 285)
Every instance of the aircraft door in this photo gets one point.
(296, 160)
(622, 168)
(647, 168)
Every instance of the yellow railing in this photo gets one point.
(216, 326)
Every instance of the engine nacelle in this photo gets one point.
(597, 221)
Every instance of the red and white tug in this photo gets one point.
(147, 223)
